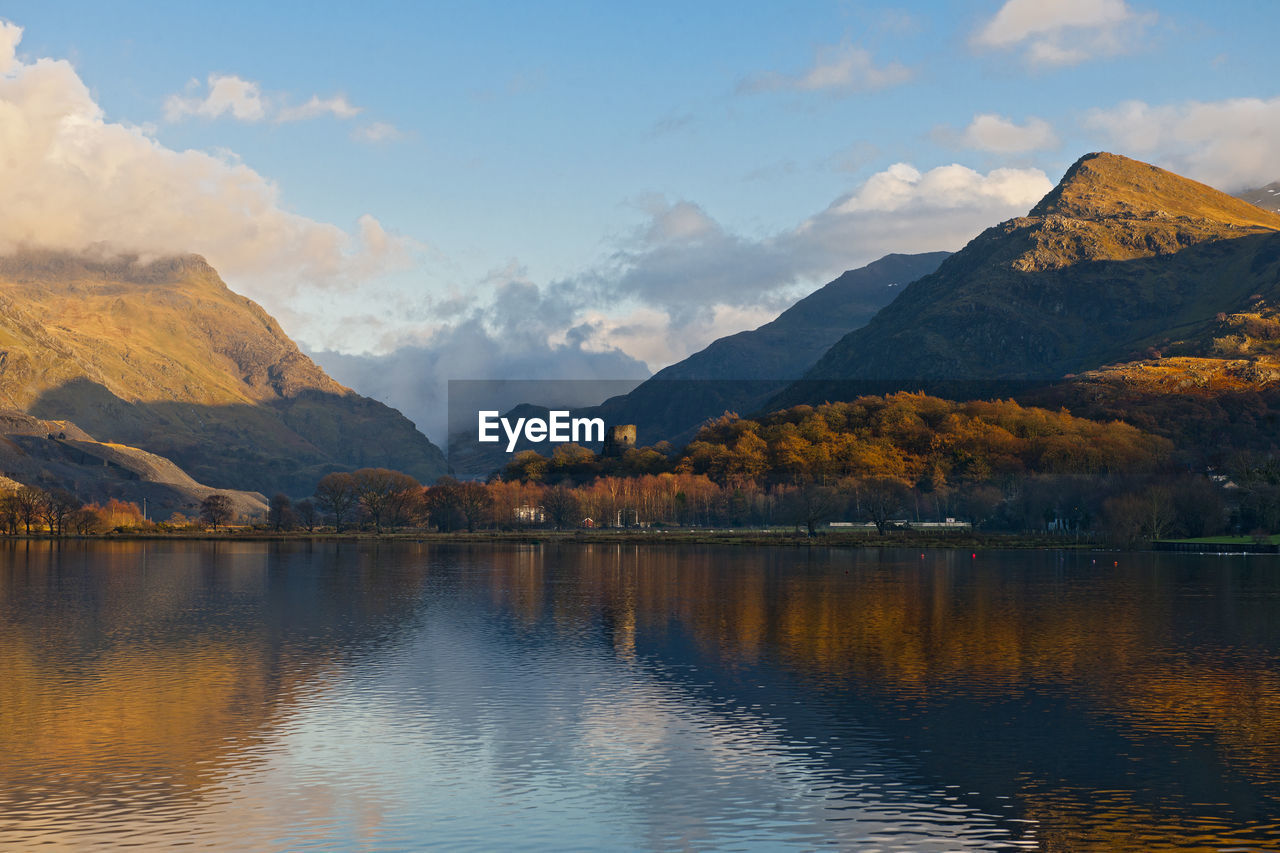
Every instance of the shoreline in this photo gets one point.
(679, 537)
(742, 538)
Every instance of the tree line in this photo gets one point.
(885, 461)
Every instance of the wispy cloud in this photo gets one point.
(230, 96)
(1063, 32)
(672, 124)
(226, 95)
(337, 106)
(378, 131)
(839, 70)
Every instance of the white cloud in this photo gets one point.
(990, 132)
(693, 274)
(680, 281)
(682, 258)
(227, 94)
(947, 189)
(337, 106)
(657, 338)
(378, 131)
(519, 331)
(74, 179)
(1063, 32)
(841, 70)
(1229, 144)
(10, 35)
(243, 100)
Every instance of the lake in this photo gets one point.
(401, 696)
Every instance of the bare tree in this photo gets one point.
(280, 512)
(30, 504)
(10, 515)
(338, 495)
(217, 509)
(306, 511)
(882, 498)
(811, 504)
(56, 507)
(561, 506)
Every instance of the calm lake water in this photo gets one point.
(398, 697)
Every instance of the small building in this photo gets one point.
(619, 439)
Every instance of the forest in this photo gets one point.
(883, 462)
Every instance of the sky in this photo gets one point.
(432, 191)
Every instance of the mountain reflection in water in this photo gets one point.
(397, 695)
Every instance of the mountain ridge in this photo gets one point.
(161, 355)
(1118, 257)
(740, 372)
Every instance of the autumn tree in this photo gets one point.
(527, 466)
(217, 509)
(514, 502)
(443, 501)
(476, 505)
(119, 514)
(86, 521)
(386, 496)
(572, 462)
(915, 438)
(338, 495)
(747, 461)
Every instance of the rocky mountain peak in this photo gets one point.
(1102, 186)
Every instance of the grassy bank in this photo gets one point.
(788, 538)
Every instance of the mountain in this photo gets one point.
(59, 455)
(1268, 197)
(740, 372)
(161, 355)
(787, 346)
(1119, 260)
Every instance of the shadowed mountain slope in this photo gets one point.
(740, 372)
(787, 346)
(59, 455)
(1119, 258)
(164, 357)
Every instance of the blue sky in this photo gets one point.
(598, 189)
